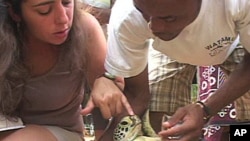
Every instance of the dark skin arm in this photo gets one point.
(137, 92)
(236, 85)
(239, 79)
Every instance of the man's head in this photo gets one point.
(167, 18)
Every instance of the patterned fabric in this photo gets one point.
(170, 82)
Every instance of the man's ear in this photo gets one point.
(15, 17)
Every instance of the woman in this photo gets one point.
(49, 51)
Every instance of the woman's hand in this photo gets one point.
(108, 96)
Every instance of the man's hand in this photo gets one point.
(186, 123)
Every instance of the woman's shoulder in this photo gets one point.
(89, 21)
(92, 27)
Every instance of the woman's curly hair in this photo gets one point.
(12, 71)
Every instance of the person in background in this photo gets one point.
(179, 29)
(50, 50)
(101, 9)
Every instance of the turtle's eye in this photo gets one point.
(124, 123)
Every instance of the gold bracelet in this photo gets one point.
(109, 76)
(205, 109)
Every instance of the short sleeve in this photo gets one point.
(128, 36)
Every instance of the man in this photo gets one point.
(169, 81)
(196, 32)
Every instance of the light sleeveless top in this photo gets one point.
(54, 98)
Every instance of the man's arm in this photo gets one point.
(236, 85)
(137, 92)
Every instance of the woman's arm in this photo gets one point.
(96, 48)
(105, 94)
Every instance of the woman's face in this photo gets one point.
(47, 21)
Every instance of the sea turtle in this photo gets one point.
(132, 128)
(128, 128)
